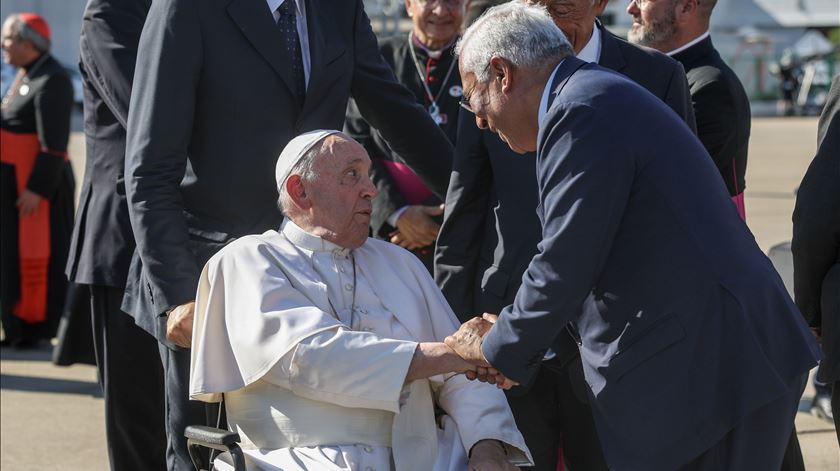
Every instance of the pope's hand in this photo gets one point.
(179, 325)
(489, 455)
(466, 341)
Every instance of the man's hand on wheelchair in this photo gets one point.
(179, 325)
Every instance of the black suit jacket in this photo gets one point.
(490, 230)
(722, 111)
(102, 243)
(212, 108)
(685, 326)
(816, 237)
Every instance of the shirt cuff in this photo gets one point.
(392, 219)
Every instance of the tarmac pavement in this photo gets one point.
(52, 417)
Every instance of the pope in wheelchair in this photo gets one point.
(327, 346)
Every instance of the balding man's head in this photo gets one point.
(328, 192)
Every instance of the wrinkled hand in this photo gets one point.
(467, 343)
(489, 455)
(28, 202)
(416, 228)
(179, 325)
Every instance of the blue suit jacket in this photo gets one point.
(685, 327)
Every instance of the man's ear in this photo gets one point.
(685, 10)
(501, 70)
(297, 192)
(599, 6)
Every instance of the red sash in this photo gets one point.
(20, 150)
(407, 182)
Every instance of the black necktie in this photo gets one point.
(291, 41)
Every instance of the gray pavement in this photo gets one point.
(52, 418)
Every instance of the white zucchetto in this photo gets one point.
(295, 150)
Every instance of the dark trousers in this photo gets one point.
(759, 441)
(555, 414)
(835, 406)
(180, 411)
(131, 377)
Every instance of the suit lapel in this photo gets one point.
(611, 56)
(322, 51)
(256, 23)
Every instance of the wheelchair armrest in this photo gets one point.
(211, 436)
(217, 439)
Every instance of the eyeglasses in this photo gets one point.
(450, 4)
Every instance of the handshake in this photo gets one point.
(466, 344)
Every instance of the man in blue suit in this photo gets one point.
(694, 353)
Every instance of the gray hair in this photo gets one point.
(521, 33)
(23, 32)
(305, 169)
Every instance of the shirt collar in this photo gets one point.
(689, 44)
(592, 51)
(273, 5)
(546, 94)
(307, 241)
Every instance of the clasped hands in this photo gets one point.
(466, 342)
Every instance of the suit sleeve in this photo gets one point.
(717, 121)
(391, 108)
(585, 182)
(53, 106)
(816, 226)
(678, 96)
(159, 127)
(459, 239)
(108, 53)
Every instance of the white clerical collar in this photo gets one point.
(592, 51)
(689, 44)
(307, 241)
(546, 94)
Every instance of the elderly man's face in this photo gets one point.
(436, 22)
(576, 18)
(654, 23)
(14, 50)
(499, 113)
(341, 193)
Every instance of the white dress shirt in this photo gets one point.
(303, 32)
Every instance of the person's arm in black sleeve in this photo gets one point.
(816, 226)
(391, 108)
(459, 240)
(110, 37)
(717, 121)
(53, 106)
(678, 96)
(159, 127)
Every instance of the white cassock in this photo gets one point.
(311, 383)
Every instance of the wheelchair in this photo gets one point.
(215, 439)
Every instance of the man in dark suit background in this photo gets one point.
(816, 245)
(491, 230)
(680, 28)
(130, 370)
(690, 362)
(220, 88)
